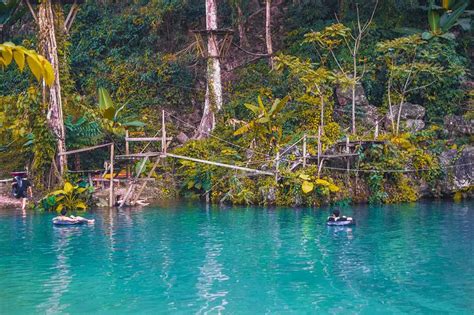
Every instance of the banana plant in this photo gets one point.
(443, 18)
(265, 125)
(112, 115)
(70, 197)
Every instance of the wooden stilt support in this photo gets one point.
(304, 151)
(348, 162)
(319, 150)
(277, 166)
(150, 174)
(164, 144)
(111, 188)
(132, 184)
(127, 151)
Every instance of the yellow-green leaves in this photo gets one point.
(332, 36)
(324, 183)
(265, 124)
(325, 186)
(307, 187)
(71, 197)
(68, 188)
(38, 65)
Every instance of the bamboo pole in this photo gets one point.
(127, 152)
(304, 151)
(111, 188)
(86, 149)
(319, 146)
(240, 168)
(144, 139)
(163, 133)
(277, 165)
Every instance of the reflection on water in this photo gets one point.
(398, 259)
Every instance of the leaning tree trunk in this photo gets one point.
(213, 101)
(268, 32)
(48, 47)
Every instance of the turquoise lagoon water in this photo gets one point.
(416, 258)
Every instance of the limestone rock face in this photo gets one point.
(460, 173)
(414, 125)
(370, 115)
(413, 112)
(344, 96)
(458, 126)
(410, 111)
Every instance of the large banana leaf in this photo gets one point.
(434, 21)
(105, 101)
(449, 19)
(134, 123)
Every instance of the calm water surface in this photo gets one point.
(416, 258)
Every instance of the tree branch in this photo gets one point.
(32, 11)
(71, 16)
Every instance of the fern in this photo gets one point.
(82, 132)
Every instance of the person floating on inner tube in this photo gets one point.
(72, 218)
(21, 188)
(338, 220)
(336, 216)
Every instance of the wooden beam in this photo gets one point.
(240, 168)
(151, 139)
(86, 149)
(138, 155)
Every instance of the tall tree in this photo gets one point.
(49, 48)
(213, 101)
(51, 24)
(268, 31)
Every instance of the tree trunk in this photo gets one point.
(241, 26)
(213, 101)
(268, 32)
(48, 47)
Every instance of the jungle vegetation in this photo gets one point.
(341, 69)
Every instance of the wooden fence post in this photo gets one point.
(319, 145)
(163, 133)
(304, 151)
(111, 188)
(376, 133)
(277, 165)
(127, 152)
